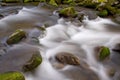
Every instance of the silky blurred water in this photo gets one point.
(64, 36)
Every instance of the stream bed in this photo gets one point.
(61, 36)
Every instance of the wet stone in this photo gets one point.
(67, 58)
(12, 76)
(68, 12)
(117, 48)
(16, 37)
(16, 57)
(34, 62)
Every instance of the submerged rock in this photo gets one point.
(111, 72)
(34, 62)
(67, 58)
(12, 76)
(68, 12)
(16, 37)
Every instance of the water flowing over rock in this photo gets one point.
(34, 62)
(16, 37)
(66, 46)
(67, 58)
(104, 52)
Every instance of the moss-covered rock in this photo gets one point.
(110, 9)
(104, 52)
(53, 2)
(68, 2)
(9, 1)
(27, 1)
(103, 13)
(16, 37)
(88, 3)
(68, 12)
(34, 62)
(58, 1)
(12, 76)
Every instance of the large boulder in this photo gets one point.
(67, 58)
(12, 76)
(16, 37)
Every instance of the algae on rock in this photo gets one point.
(34, 62)
(12, 76)
(16, 37)
(68, 12)
(53, 2)
(104, 52)
(103, 13)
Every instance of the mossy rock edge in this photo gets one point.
(33, 63)
(12, 76)
(104, 52)
(16, 37)
(68, 12)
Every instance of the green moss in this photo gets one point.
(16, 37)
(104, 53)
(12, 76)
(103, 13)
(68, 12)
(88, 3)
(111, 10)
(101, 1)
(42, 0)
(10, 1)
(58, 1)
(53, 2)
(67, 1)
(34, 62)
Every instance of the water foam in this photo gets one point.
(91, 34)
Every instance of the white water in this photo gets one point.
(66, 37)
(81, 41)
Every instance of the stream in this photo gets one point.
(61, 36)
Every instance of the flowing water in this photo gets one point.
(64, 36)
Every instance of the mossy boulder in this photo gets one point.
(12, 76)
(88, 3)
(16, 37)
(104, 52)
(58, 1)
(110, 9)
(67, 58)
(53, 2)
(70, 2)
(34, 62)
(10, 1)
(103, 13)
(68, 12)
